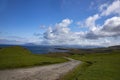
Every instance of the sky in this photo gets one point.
(60, 22)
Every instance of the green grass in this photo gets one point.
(104, 66)
(15, 57)
(96, 66)
(73, 75)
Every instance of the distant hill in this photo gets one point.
(29, 44)
(115, 47)
(96, 50)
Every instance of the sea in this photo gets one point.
(40, 49)
(44, 49)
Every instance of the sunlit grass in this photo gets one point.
(15, 57)
(102, 67)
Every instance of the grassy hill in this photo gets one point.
(16, 56)
(104, 65)
(98, 64)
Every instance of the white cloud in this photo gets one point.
(112, 25)
(64, 23)
(105, 10)
(113, 8)
(111, 28)
(60, 30)
(90, 22)
(62, 35)
(106, 35)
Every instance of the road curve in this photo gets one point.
(49, 72)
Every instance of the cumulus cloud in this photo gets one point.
(90, 21)
(113, 8)
(59, 33)
(112, 25)
(103, 35)
(111, 28)
(105, 10)
(60, 29)
(62, 34)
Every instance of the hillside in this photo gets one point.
(99, 64)
(14, 50)
(94, 50)
(16, 56)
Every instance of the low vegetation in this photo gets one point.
(105, 66)
(97, 64)
(16, 56)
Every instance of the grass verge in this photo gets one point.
(75, 73)
(15, 57)
(103, 67)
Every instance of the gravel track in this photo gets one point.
(49, 72)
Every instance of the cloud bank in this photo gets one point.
(105, 35)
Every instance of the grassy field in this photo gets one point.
(105, 66)
(15, 57)
(95, 65)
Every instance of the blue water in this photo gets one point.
(43, 49)
(47, 49)
(40, 49)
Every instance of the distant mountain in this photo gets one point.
(114, 47)
(79, 46)
(110, 49)
(29, 44)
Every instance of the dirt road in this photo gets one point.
(49, 72)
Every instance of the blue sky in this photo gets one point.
(30, 21)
